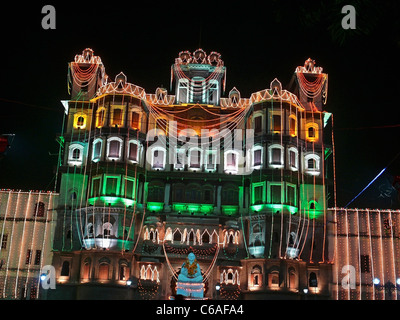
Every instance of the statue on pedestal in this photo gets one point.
(190, 281)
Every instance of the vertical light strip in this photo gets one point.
(33, 257)
(11, 237)
(381, 251)
(371, 252)
(22, 244)
(359, 250)
(392, 255)
(336, 260)
(347, 247)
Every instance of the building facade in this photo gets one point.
(27, 224)
(148, 178)
(367, 254)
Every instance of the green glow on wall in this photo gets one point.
(193, 207)
(274, 208)
(113, 201)
(155, 206)
(229, 209)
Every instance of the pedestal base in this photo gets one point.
(190, 289)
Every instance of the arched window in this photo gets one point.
(75, 156)
(114, 148)
(195, 159)
(312, 280)
(257, 158)
(104, 269)
(312, 205)
(123, 271)
(293, 157)
(177, 236)
(292, 125)
(86, 271)
(205, 237)
(292, 278)
(258, 123)
(231, 162)
(191, 238)
(107, 229)
(100, 117)
(65, 269)
(183, 91)
(213, 92)
(80, 121)
(97, 148)
(273, 279)
(211, 160)
(257, 228)
(234, 97)
(89, 230)
(133, 151)
(312, 131)
(312, 164)
(168, 234)
(135, 120)
(198, 90)
(292, 239)
(158, 158)
(117, 117)
(275, 153)
(256, 276)
(276, 122)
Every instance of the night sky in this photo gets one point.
(257, 43)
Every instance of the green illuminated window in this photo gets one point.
(96, 187)
(276, 193)
(129, 189)
(291, 195)
(112, 186)
(258, 193)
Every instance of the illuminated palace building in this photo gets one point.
(145, 179)
(148, 178)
